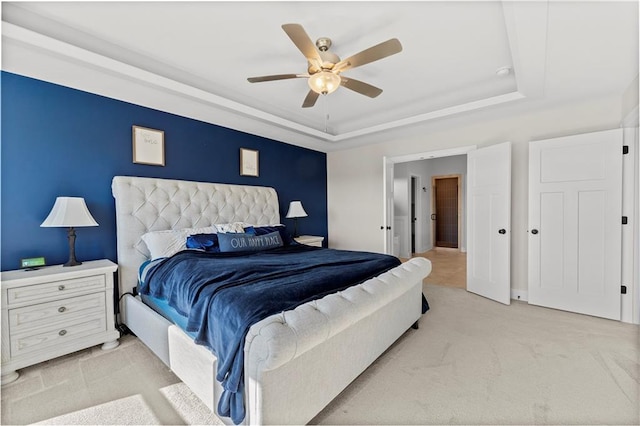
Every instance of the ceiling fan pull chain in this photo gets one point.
(326, 113)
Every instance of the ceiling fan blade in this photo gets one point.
(301, 39)
(310, 100)
(275, 77)
(379, 51)
(360, 87)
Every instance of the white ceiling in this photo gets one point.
(193, 59)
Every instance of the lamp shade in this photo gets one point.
(69, 212)
(296, 210)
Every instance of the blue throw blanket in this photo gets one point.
(223, 294)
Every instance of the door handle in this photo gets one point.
(433, 216)
(534, 231)
(502, 231)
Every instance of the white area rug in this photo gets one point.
(135, 410)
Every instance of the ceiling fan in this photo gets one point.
(325, 68)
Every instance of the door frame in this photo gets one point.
(387, 184)
(433, 207)
(417, 199)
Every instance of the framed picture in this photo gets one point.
(148, 146)
(248, 162)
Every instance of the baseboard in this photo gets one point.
(522, 295)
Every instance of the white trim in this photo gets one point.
(631, 303)
(416, 195)
(38, 56)
(469, 106)
(431, 154)
(129, 72)
(629, 191)
(636, 233)
(526, 25)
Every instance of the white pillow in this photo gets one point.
(169, 242)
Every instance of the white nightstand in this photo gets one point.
(310, 240)
(55, 310)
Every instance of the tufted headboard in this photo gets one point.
(151, 204)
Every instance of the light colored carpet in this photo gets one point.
(473, 361)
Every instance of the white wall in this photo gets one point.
(355, 180)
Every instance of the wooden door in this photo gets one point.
(446, 211)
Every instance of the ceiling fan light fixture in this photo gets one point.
(324, 82)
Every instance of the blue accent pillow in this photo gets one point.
(263, 230)
(248, 242)
(206, 242)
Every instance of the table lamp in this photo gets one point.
(295, 211)
(69, 212)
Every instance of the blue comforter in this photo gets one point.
(223, 294)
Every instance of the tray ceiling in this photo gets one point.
(201, 54)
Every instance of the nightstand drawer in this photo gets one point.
(60, 334)
(55, 289)
(28, 317)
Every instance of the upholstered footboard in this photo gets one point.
(297, 361)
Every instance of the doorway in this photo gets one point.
(445, 211)
(486, 196)
(414, 210)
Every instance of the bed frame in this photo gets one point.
(296, 361)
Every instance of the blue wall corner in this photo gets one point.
(58, 141)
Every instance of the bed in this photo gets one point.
(294, 362)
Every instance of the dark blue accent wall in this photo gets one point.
(58, 141)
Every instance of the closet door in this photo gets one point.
(575, 216)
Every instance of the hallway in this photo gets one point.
(449, 267)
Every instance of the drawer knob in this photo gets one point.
(61, 287)
(61, 309)
(62, 332)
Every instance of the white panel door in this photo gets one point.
(387, 176)
(575, 210)
(489, 222)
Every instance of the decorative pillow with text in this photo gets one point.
(247, 242)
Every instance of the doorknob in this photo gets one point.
(433, 216)
(534, 231)
(502, 231)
